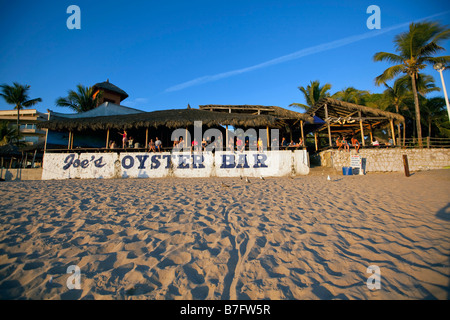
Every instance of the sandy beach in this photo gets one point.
(223, 238)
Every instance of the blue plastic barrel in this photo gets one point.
(347, 171)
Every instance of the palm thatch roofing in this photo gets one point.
(175, 118)
(106, 85)
(346, 110)
(277, 112)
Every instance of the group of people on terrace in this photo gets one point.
(234, 144)
(342, 143)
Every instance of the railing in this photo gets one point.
(427, 142)
(165, 149)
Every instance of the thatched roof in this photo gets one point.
(342, 109)
(277, 112)
(175, 118)
(106, 85)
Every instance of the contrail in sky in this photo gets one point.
(298, 54)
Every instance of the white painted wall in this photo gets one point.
(144, 165)
(300, 160)
(180, 164)
(83, 166)
(201, 165)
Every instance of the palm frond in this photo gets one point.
(389, 74)
(300, 105)
(389, 57)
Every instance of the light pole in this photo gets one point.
(440, 67)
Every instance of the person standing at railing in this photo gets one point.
(124, 139)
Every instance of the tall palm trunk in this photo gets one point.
(404, 133)
(429, 127)
(398, 125)
(417, 108)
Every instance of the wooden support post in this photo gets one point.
(45, 143)
(303, 136)
(393, 131)
(268, 137)
(362, 130)
(146, 138)
(370, 133)
(71, 141)
(226, 136)
(34, 158)
(406, 165)
(328, 126)
(107, 138)
(46, 135)
(70, 136)
(315, 140)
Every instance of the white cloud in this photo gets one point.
(296, 55)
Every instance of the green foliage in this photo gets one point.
(312, 93)
(435, 116)
(8, 134)
(415, 49)
(352, 95)
(81, 100)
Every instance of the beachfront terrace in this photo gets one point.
(97, 133)
(348, 120)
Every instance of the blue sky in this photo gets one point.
(166, 54)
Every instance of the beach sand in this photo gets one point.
(224, 238)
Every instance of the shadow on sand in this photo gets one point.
(444, 213)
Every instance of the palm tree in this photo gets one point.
(424, 84)
(396, 96)
(8, 134)
(312, 93)
(415, 48)
(17, 95)
(351, 94)
(82, 100)
(434, 112)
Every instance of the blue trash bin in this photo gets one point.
(347, 171)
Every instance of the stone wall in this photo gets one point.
(389, 159)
